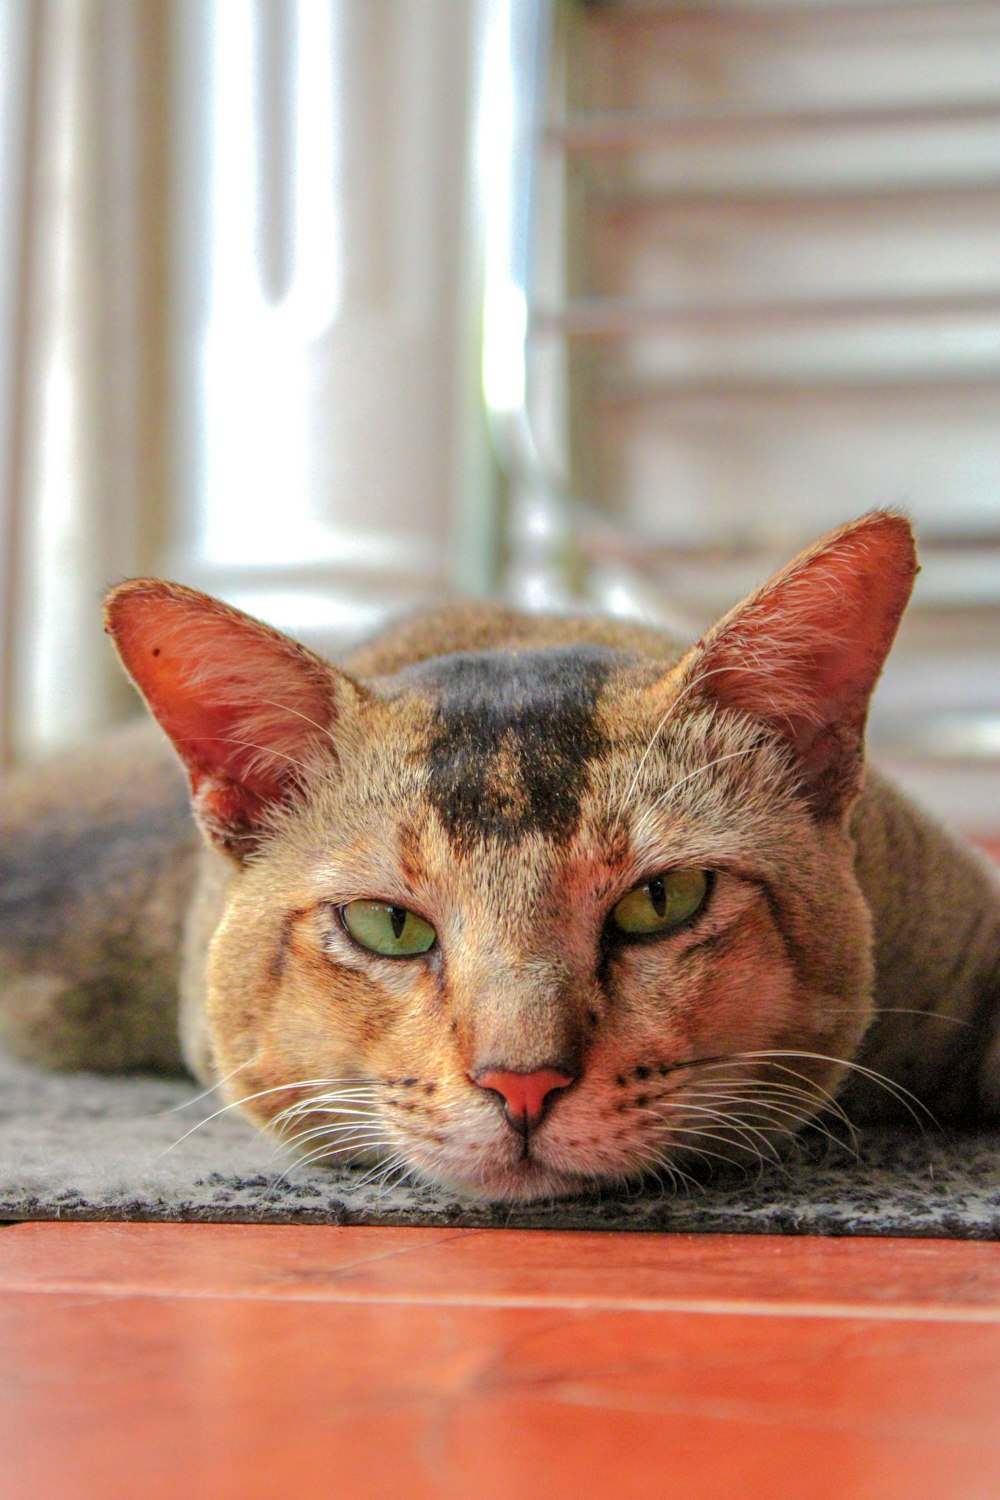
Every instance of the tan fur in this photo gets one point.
(833, 916)
(97, 859)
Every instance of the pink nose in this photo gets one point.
(524, 1093)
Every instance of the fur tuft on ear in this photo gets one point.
(805, 651)
(244, 706)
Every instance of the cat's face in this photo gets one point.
(527, 969)
(523, 923)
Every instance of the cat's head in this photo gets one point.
(528, 920)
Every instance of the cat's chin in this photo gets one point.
(524, 1182)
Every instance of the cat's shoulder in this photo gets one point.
(443, 631)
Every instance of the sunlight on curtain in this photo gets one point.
(79, 268)
(334, 336)
(241, 293)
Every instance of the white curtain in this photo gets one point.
(239, 296)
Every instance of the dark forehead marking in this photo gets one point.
(514, 733)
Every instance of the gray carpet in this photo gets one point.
(85, 1146)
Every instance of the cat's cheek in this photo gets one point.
(277, 1007)
(413, 1040)
(745, 1009)
(733, 990)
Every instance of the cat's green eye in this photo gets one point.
(661, 904)
(392, 931)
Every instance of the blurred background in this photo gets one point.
(331, 307)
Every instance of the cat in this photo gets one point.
(514, 903)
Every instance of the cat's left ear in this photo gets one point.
(249, 711)
(804, 653)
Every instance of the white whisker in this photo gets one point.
(701, 770)
(197, 1098)
(266, 750)
(278, 1088)
(903, 1096)
(286, 708)
(672, 707)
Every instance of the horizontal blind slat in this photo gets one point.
(785, 309)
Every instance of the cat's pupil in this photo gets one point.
(397, 916)
(658, 896)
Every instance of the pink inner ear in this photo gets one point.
(807, 650)
(241, 703)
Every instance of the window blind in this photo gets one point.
(779, 308)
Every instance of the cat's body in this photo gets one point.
(512, 786)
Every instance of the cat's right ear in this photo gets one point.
(249, 711)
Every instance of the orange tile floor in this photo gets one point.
(318, 1363)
